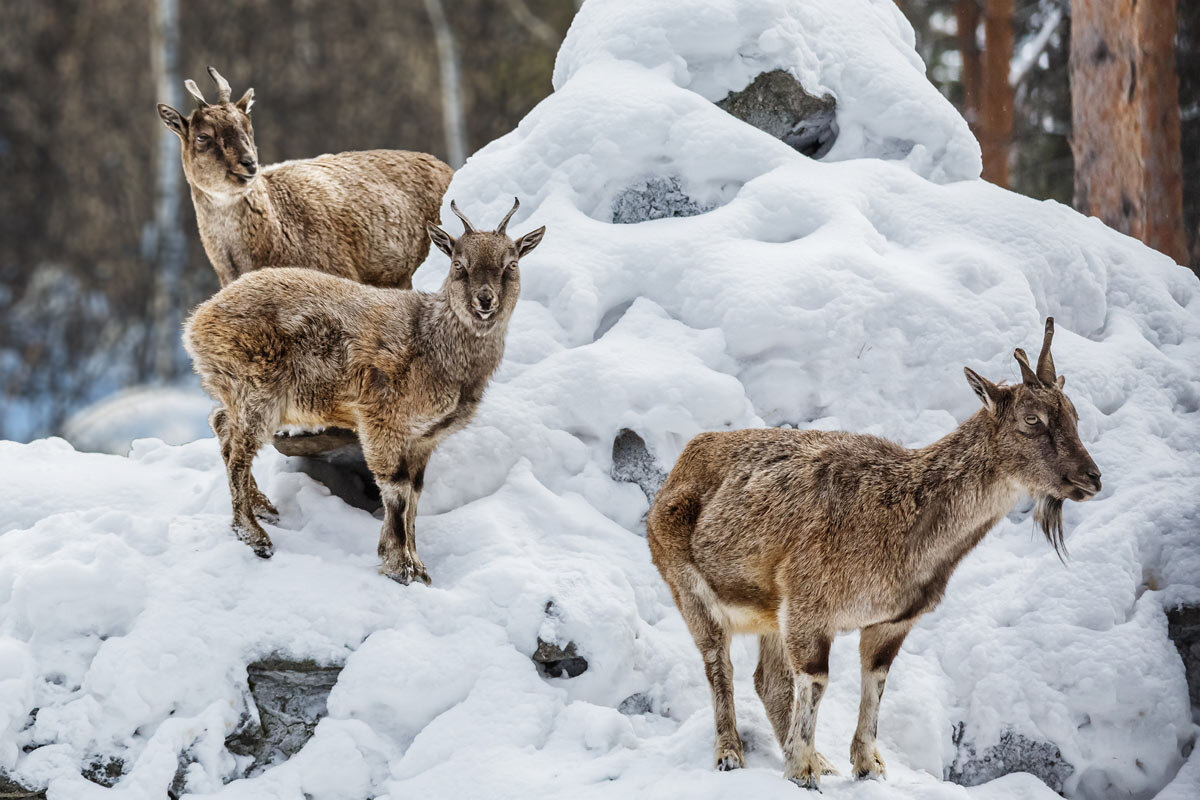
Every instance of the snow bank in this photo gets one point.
(834, 294)
(175, 415)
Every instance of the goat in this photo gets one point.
(403, 368)
(360, 215)
(798, 535)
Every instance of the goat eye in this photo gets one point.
(202, 139)
(1031, 419)
(459, 268)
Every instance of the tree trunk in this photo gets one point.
(453, 117)
(1163, 156)
(996, 103)
(966, 14)
(1125, 117)
(164, 242)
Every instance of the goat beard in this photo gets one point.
(1047, 512)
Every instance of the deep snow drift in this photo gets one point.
(845, 293)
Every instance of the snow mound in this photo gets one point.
(827, 294)
(859, 51)
(175, 415)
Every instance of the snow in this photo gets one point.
(174, 414)
(843, 293)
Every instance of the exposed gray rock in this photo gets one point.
(1183, 626)
(775, 102)
(555, 661)
(105, 770)
(639, 703)
(1013, 753)
(334, 457)
(290, 699)
(634, 463)
(655, 198)
(12, 789)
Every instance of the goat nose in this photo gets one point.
(249, 164)
(485, 300)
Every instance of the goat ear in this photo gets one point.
(443, 240)
(174, 121)
(988, 392)
(1061, 380)
(529, 241)
(246, 102)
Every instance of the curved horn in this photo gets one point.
(223, 90)
(504, 222)
(467, 226)
(1045, 365)
(194, 91)
(1028, 376)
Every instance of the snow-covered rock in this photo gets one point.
(841, 293)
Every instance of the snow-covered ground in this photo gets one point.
(845, 293)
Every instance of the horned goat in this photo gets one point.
(359, 215)
(402, 368)
(797, 535)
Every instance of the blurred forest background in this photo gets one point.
(99, 254)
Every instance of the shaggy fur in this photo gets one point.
(359, 215)
(403, 368)
(797, 535)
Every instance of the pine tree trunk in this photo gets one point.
(1163, 156)
(966, 14)
(1125, 119)
(996, 103)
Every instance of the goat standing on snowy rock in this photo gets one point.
(360, 215)
(403, 368)
(797, 535)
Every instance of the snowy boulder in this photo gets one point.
(859, 53)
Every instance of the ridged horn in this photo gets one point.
(467, 225)
(223, 90)
(504, 222)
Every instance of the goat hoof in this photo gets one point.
(255, 537)
(409, 572)
(809, 782)
(729, 762)
(826, 767)
(869, 766)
